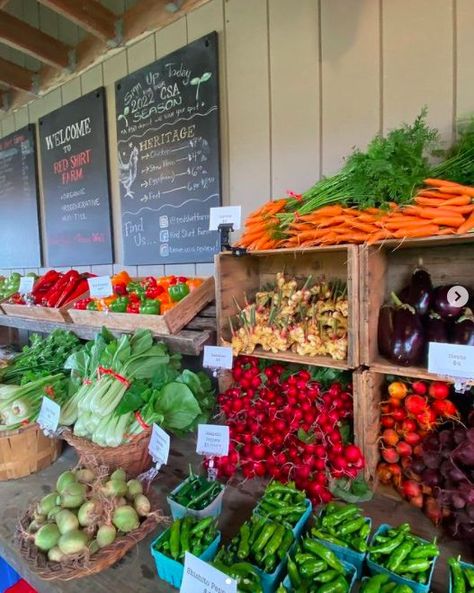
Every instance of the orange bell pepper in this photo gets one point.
(121, 278)
(166, 307)
(194, 283)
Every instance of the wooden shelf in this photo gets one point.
(190, 341)
(381, 365)
(293, 357)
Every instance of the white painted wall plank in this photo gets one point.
(465, 63)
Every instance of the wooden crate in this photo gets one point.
(237, 277)
(59, 315)
(171, 322)
(388, 267)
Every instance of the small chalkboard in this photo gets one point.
(19, 227)
(169, 156)
(75, 171)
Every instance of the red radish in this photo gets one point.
(419, 387)
(410, 488)
(412, 438)
(439, 390)
(387, 421)
(409, 425)
(403, 449)
(445, 407)
(390, 437)
(352, 453)
(390, 455)
(415, 404)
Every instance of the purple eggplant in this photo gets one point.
(419, 292)
(463, 329)
(436, 329)
(441, 304)
(400, 333)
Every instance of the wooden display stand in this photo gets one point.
(244, 276)
(38, 313)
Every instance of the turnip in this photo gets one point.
(53, 512)
(121, 501)
(119, 474)
(125, 519)
(73, 542)
(142, 505)
(72, 495)
(85, 476)
(47, 537)
(134, 487)
(87, 513)
(66, 521)
(47, 503)
(114, 488)
(33, 527)
(106, 535)
(55, 554)
(64, 480)
(93, 547)
(40, 519)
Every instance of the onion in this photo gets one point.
(119, 474)
(87, 513)
(47, 503)
(106, 535)
(125, 519)
(134, 487)
(53, 512)
(73, 542)
(55, 554)
(72, 495)
(66, 521)
(142, 505)
(85, 476)
(114, 488)
(64, 480)
(93, 547)
(47, 537)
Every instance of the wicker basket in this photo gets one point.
(76, 569)
(133, 457)
(26, 451)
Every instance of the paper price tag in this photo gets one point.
(49, 414)
(201, 577)
(100, 287)
(212, 440)
(225, 215)
(217, 357)
(451, 360)
(159, 445)
(26, 284)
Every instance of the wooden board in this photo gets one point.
(240, 277)
(388, 267)
(169, 323)
(59, 315)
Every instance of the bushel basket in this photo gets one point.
(77, 568)
(133, 456)
(25, 451)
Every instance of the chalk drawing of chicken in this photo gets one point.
(128, 171)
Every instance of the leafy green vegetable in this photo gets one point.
(178, 406)
(356, 490)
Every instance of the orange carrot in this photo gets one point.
(367, 218)
(436, 194)
(465, 209)
(447, 231)
(438, 182)
(422, 231)
(425, 212)
(352, 238)
(362, 226)
(448, 221)
(467, 226)
(462, 200)
(378, 236)
(424, 201)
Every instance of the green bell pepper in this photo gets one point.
(92, 306)
(119, 305)
(150, 307)
(178, 291)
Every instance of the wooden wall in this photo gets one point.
(302, 82)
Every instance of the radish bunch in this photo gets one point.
(288, 427)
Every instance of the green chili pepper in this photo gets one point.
(293, 573)
(175, 539)
(388, 587)
(257, 524)
(459, 586)
(425, 551)
(184, 535)
(352, 526)
(359, 544)
(265, 535)
(340, 515)
(339, 585)
(397, 557)
(275, 542)
(244, 544)
(415, 566)
(326, 576)
(331, 507)
(469, 574)
(390, 546)
(374, 584)
(310, 568)
(177, 292)
(328, 537)
(364, 530)
(402, 588)
(327, 555)
(202, 526)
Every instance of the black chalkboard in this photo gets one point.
(74, 164)
(19, 227)
(169, 157)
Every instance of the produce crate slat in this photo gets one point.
(387, 267)
(55, 315)
(382, 365)
(186, 341)
(237, 277)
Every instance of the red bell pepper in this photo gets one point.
(52, 297)
(120, 289)
(70, 289)
(44, 284)
(133, 307)
(81, 287)
(153, 292)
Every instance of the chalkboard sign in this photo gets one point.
(168, 154)
(76, 183)
(19, 228)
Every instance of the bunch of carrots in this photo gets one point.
(441, 208)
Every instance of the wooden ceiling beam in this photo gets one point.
(16, 77)
(87, 14)
(22, 36)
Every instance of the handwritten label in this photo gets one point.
(159, 445)
(100, 287)
(26, 284)
(225, 215)
(49, 414)
(212, 440)
(201, 577)
(217, 357)
(451, 360)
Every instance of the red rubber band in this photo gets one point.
(140, 420)
(104, 371)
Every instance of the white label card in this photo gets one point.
(225, 215)
(217, 357)
(201, 577)
(26, 284)
(212, 440)
(159, 445)
(49, 414)
(100, 287)
(451, 360)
